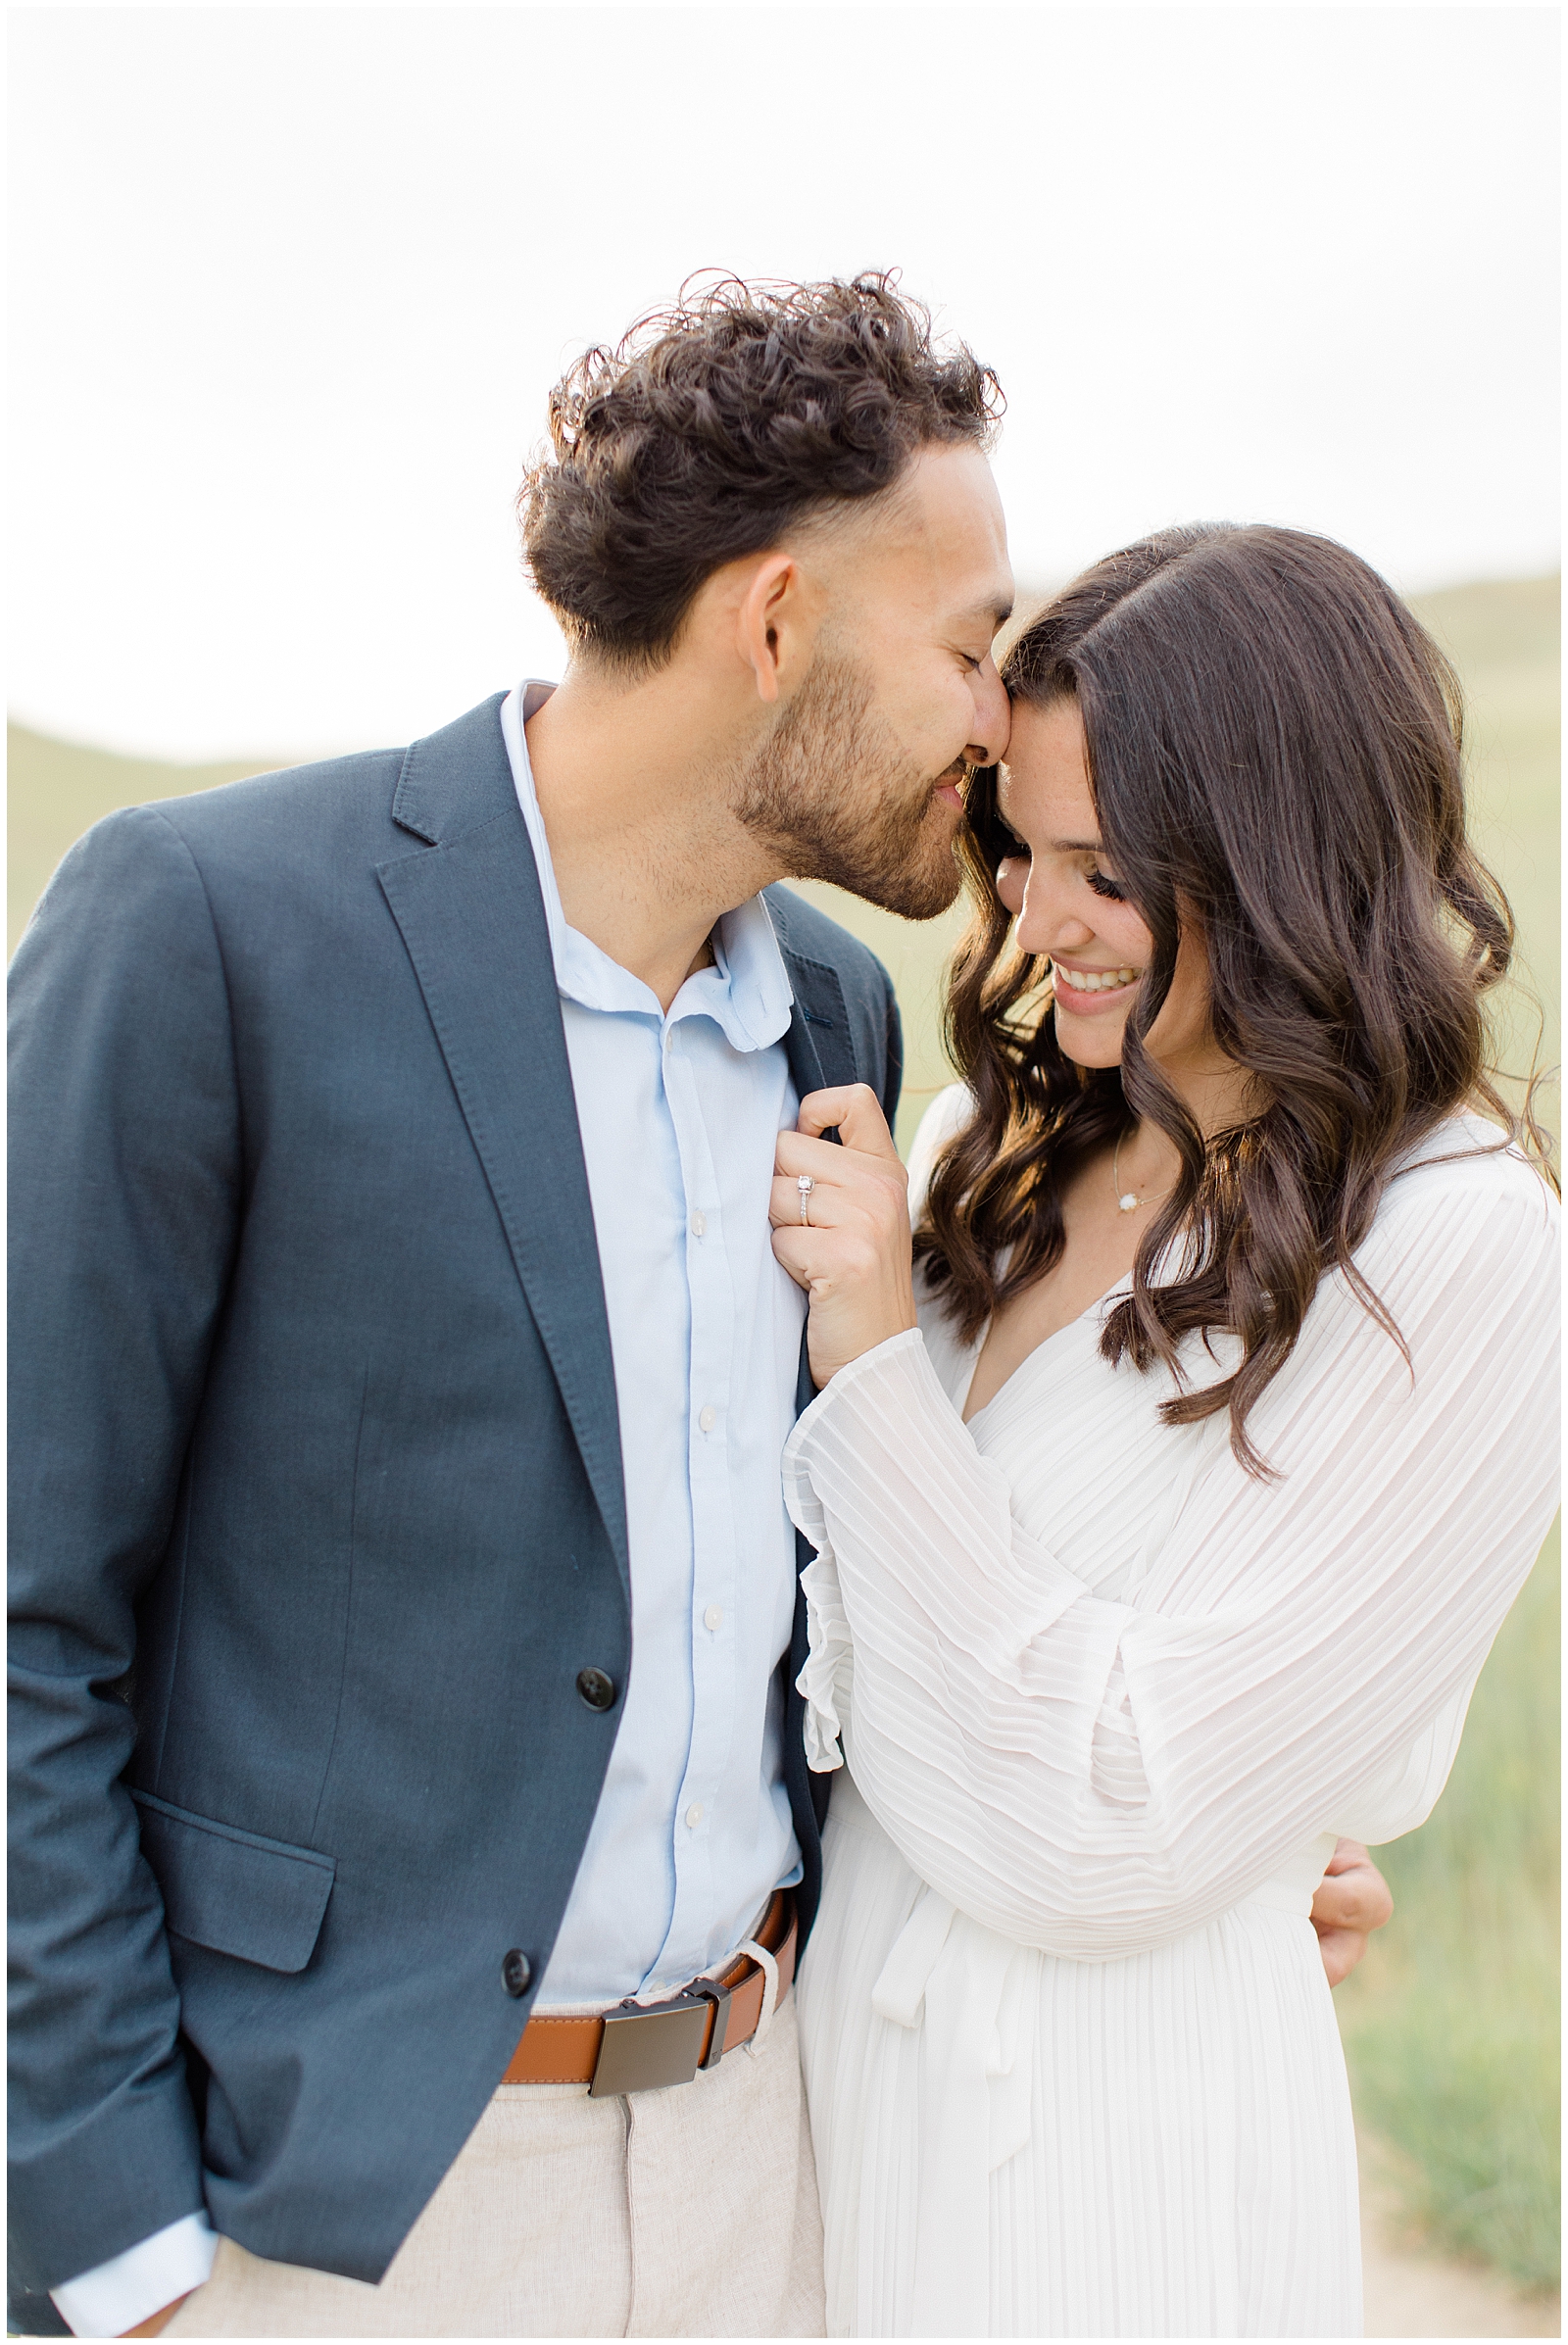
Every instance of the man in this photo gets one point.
(405, 1619)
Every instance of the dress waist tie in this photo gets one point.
(961, 1988)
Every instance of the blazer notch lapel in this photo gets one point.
(452, 779)
(819, 1043)
(473, 920)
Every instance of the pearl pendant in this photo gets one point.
(1128, 1204)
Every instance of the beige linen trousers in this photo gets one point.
(687, 2213)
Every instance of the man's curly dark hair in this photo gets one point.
(711, 427)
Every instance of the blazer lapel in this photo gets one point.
(472, 920)
(819, 1044)
(821, 1055)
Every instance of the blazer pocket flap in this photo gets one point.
(232, 1890)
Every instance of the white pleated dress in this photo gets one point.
(1106, 1701)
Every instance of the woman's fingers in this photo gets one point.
(825, 1253)
(843, 1182)
(856, 1111)
(822, 1158)
(824, 1207)
(851, 1251)
(1339, 1950)
(864, 1160)
(1352, 1894)
(1353, 1900)
(794, 1250)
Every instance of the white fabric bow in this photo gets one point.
(961, 1986)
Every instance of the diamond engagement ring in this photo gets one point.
(805, 1184)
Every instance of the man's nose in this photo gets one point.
(992, 719)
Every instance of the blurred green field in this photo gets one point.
(55, 790)
(1452, 2026)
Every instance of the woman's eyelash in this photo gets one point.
(1098, 880)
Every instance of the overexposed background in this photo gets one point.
(292, 283)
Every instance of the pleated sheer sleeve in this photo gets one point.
(1091, 1776)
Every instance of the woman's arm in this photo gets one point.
(1093, 1777)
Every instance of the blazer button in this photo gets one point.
(516, 1972)
(597, 1690)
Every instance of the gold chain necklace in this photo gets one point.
(1127, 1201)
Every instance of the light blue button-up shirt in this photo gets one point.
(679, 1113)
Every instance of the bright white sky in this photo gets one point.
(292, 285)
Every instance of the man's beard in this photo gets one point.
(833, 798)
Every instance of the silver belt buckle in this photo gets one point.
(647, 2046)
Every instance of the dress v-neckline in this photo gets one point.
(1029, 1357)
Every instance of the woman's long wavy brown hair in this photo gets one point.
(1275, 746)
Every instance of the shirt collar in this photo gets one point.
(747, 994)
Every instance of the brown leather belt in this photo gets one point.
(640, 2046)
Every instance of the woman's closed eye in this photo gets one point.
(1019, 851)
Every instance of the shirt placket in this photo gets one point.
(690, 1045)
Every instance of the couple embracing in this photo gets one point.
(460, 1785)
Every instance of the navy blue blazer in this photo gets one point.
(317, 1505)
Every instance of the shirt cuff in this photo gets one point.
(129, 2288)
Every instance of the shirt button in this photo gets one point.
(713, 1617)
(708, 1419)
(699, 1225)
(669, 1038)
(694, 1814)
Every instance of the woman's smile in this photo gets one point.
(1084, 991)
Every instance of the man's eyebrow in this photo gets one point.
(996, 614)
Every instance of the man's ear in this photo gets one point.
(770, 611)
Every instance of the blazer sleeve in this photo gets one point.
(125, 1180)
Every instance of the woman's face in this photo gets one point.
(1064, 894)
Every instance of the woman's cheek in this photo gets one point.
(1184, 1017)
(1013, 877)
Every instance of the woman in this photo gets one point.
(1165, 1521)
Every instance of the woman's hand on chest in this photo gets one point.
(845, 1236)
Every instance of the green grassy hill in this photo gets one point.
(1452, 2024)
(56, 790)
